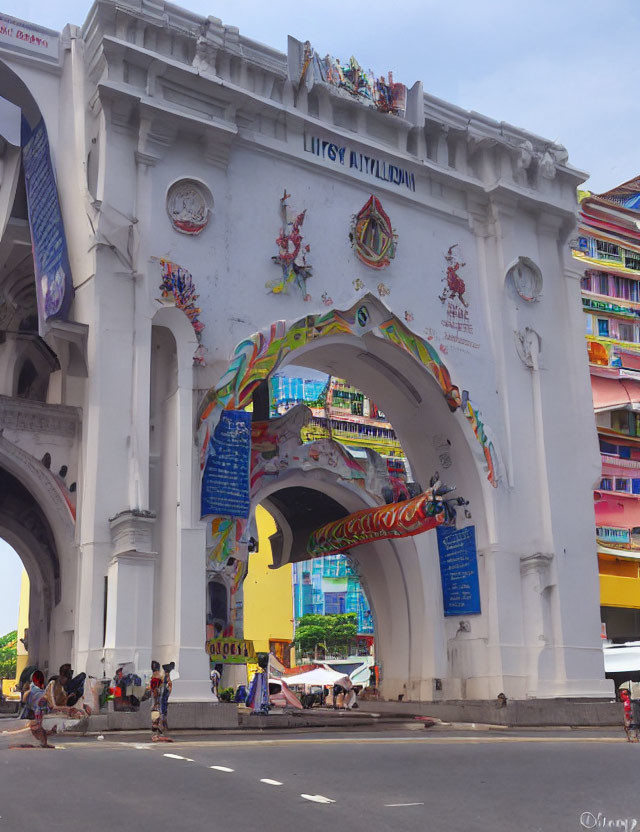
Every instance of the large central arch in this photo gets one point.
(439, 428)
(256, 358)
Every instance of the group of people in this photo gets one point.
(58, 704)
(50, 707)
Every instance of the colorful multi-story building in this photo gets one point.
(343, 412)
(608, 245)
(329, 586)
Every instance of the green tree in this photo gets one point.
(343, 629)
(8, 655)
(332, 634)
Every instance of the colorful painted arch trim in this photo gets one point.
(394, 520)
(258, 356)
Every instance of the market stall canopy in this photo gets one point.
(610, 393)
(320, 676)
(618, 659)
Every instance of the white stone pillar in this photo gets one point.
(536, 581)
(130, 593)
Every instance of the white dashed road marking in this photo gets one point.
(317, 798)
(403, 804)
(271, 782)
(175, 757)
(221, 768)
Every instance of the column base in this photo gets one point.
(192, 690)
(573, 688)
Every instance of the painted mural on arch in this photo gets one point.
(257, 357)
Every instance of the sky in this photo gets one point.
(10, 573)
(564, 69)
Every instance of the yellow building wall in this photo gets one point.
(618, 591)
(268, 593)
(619, 582)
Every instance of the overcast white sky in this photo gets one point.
(10, 572)
(565, 69)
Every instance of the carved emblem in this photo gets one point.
(188, 206)
(526, 279)
(372, 236)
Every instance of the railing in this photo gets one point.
(619, 462)
(609, 256)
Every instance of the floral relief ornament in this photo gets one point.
(188, 207)
(292, 254)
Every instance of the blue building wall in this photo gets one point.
(325, 586)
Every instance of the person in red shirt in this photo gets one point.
(626, 704)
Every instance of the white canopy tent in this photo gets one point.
(320, 676)
(622, 658)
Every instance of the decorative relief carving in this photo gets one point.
(37, 417)
(189, 205)
(526, 278)
(131, 533)
(528, 345)
(539, 565)
(372, 236)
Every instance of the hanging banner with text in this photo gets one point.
(231, 651)
(54, 288)
(225, 484)
(459, 570)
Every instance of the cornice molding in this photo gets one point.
(38, 417)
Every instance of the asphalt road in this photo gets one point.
(282, 781)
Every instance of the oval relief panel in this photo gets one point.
(189, 205)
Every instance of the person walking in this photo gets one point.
(626, 704)
(159, 689)
(632, 692)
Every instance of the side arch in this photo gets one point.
(37, 522)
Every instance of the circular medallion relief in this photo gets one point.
(189, 205)
(526, 279)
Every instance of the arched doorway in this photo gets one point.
(36, 521)
(439, 428)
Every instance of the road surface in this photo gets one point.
(275, 781)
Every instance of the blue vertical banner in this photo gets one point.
(225, 483)
(459, 570)
(54, 287)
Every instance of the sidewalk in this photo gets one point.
(207, 716)
(520, 713)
